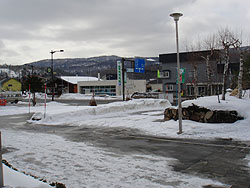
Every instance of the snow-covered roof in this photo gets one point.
(75, 79)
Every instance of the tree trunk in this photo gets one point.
(34, 99)
(225, 74)
(208, 76)
(195, 82)
(240, 76)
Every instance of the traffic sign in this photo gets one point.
(139, 65)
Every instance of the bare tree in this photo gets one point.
(210, 45)
(240, 76)
(227, 40)
(246, 71)
(244, 53)
(192, 59)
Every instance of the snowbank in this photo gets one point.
(13, 179)
(240, 130)
(242, 106)
(81, 113)
(23, 108)
(128, 114)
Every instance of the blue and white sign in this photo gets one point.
(139, 65)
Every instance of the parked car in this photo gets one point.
(138, 95)
(11, 96)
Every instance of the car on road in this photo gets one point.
(11, 96)
(138, 95)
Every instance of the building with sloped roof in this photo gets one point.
(68, 84)
(10, 84)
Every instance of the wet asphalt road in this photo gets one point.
(220, 160)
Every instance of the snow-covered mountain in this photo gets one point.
(86, 66)
(8, 72)
(78, 66)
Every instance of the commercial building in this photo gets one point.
(110, 87)
(68, 84)
(192, 63)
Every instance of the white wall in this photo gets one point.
(130, 87)
(135, 86)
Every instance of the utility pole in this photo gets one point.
(52, 71)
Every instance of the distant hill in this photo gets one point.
(88, 66)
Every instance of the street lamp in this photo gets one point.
(52, 71)
(176, 17)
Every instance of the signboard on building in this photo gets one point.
(129, 70)
(139, 65)
(182, 76)
(119, 72)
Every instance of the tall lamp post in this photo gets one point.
(52, 71)
(176, 17)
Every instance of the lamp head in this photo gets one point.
(176, 16)
(54, 51)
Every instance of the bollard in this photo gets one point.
(1, 164)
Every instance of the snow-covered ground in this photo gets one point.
(78, 164)
(58, 114)
(16, 179)
(49, 155)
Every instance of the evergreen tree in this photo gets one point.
(36, 85)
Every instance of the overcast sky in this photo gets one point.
(29, 29)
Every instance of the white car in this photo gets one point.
(11, 96)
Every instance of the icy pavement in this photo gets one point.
(78, 164)
(82, 164)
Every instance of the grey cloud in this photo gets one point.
(124, 26)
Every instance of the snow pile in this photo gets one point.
(242, 106)
(128, 114)
(13, 178)
(239, 130)
(151, 122)
(37, 95)
(70, 114)
(23, 108)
